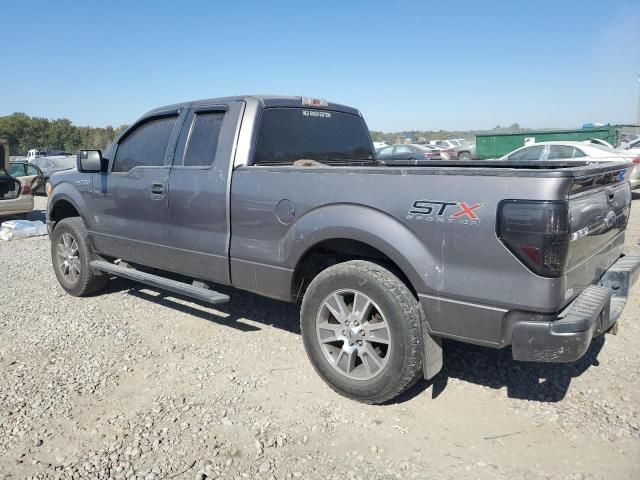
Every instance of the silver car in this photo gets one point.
(576, 151)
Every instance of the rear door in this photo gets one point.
(403, 152)
(31, 176)
(129, 206)
(199, 184)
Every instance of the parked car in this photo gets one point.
(467, 151)
(632, 146)
(379, 145)
(455, 149)
(576, 151)
(407, 152)
(599, 141)
(36, 153)
(284, 197)
(444, 143)
(28, 174)
(50, 165)
(626, 137)
(15, 196)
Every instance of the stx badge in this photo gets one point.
(445, 212)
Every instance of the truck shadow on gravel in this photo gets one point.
(235, 314)
(488, 367)
(491, 368)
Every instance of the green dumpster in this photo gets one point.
(495, 145)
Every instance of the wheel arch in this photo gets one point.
(61, 206)
(325, 239)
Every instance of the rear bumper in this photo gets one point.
(592, 313)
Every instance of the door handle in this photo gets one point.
(157, 190)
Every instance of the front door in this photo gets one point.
(130, 203)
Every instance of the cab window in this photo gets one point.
(145, 145)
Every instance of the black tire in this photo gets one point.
(87, 282)
(403, 316)
(466, 156)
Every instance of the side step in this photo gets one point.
(200, 293)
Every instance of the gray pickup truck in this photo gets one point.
(284, 197)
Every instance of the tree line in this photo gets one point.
(25, 132)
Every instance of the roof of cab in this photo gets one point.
(267, 101)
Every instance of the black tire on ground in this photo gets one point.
(403, 317)
(87, 282)
(464, 156)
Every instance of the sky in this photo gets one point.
(407, 65)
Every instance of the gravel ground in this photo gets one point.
(135, 384)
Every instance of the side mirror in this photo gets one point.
(91, 161)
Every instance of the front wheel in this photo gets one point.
(361, 330)
(464, 156)
(71, 253)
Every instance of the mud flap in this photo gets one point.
(431, 352)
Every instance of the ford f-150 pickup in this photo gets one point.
(284, 197)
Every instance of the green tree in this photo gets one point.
(25, 132)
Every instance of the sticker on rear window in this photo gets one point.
(316, 113)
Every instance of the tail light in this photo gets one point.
(537, 233)
(430, 154)
(26, 189)
(636, 160)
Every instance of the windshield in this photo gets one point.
(290, 134)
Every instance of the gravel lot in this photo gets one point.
(137, 384)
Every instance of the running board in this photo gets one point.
(197, 292)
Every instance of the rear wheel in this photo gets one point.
(361, 330)
(71, 253)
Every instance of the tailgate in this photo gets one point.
(599, 207)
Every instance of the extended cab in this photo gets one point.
(284, 197)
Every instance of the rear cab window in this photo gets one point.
(289, 134)
(202, 139)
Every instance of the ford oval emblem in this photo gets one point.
(610, 219)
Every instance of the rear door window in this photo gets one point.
(145, 146)
(203, 139)
(16, 170)
(527, 154)
(559, 152)
(32, 171)
(290, 134)
(402, 149)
